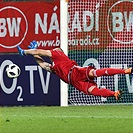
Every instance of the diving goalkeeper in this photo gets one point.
(82, 78)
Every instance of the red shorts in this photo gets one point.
(80, 80)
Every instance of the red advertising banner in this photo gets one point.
(22, 22)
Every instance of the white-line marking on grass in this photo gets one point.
(69, 116)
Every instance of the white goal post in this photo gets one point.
(64, 46)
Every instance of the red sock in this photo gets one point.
(108, 72)
(102, 92)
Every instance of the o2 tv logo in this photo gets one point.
(13, 27)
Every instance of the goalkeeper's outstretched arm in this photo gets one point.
(42, 63)
(39, 52)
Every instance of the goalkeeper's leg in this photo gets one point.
(111, 71)
(104, 92)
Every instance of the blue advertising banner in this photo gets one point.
(34, 86)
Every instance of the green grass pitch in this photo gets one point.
(71, 119)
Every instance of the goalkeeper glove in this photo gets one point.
(33, 45)
(21, 51)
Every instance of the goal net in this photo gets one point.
(100, 33)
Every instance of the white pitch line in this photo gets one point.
(71, 116)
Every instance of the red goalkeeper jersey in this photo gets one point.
(61, 64)
(70, 73)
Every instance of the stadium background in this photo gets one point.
(97, 30)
